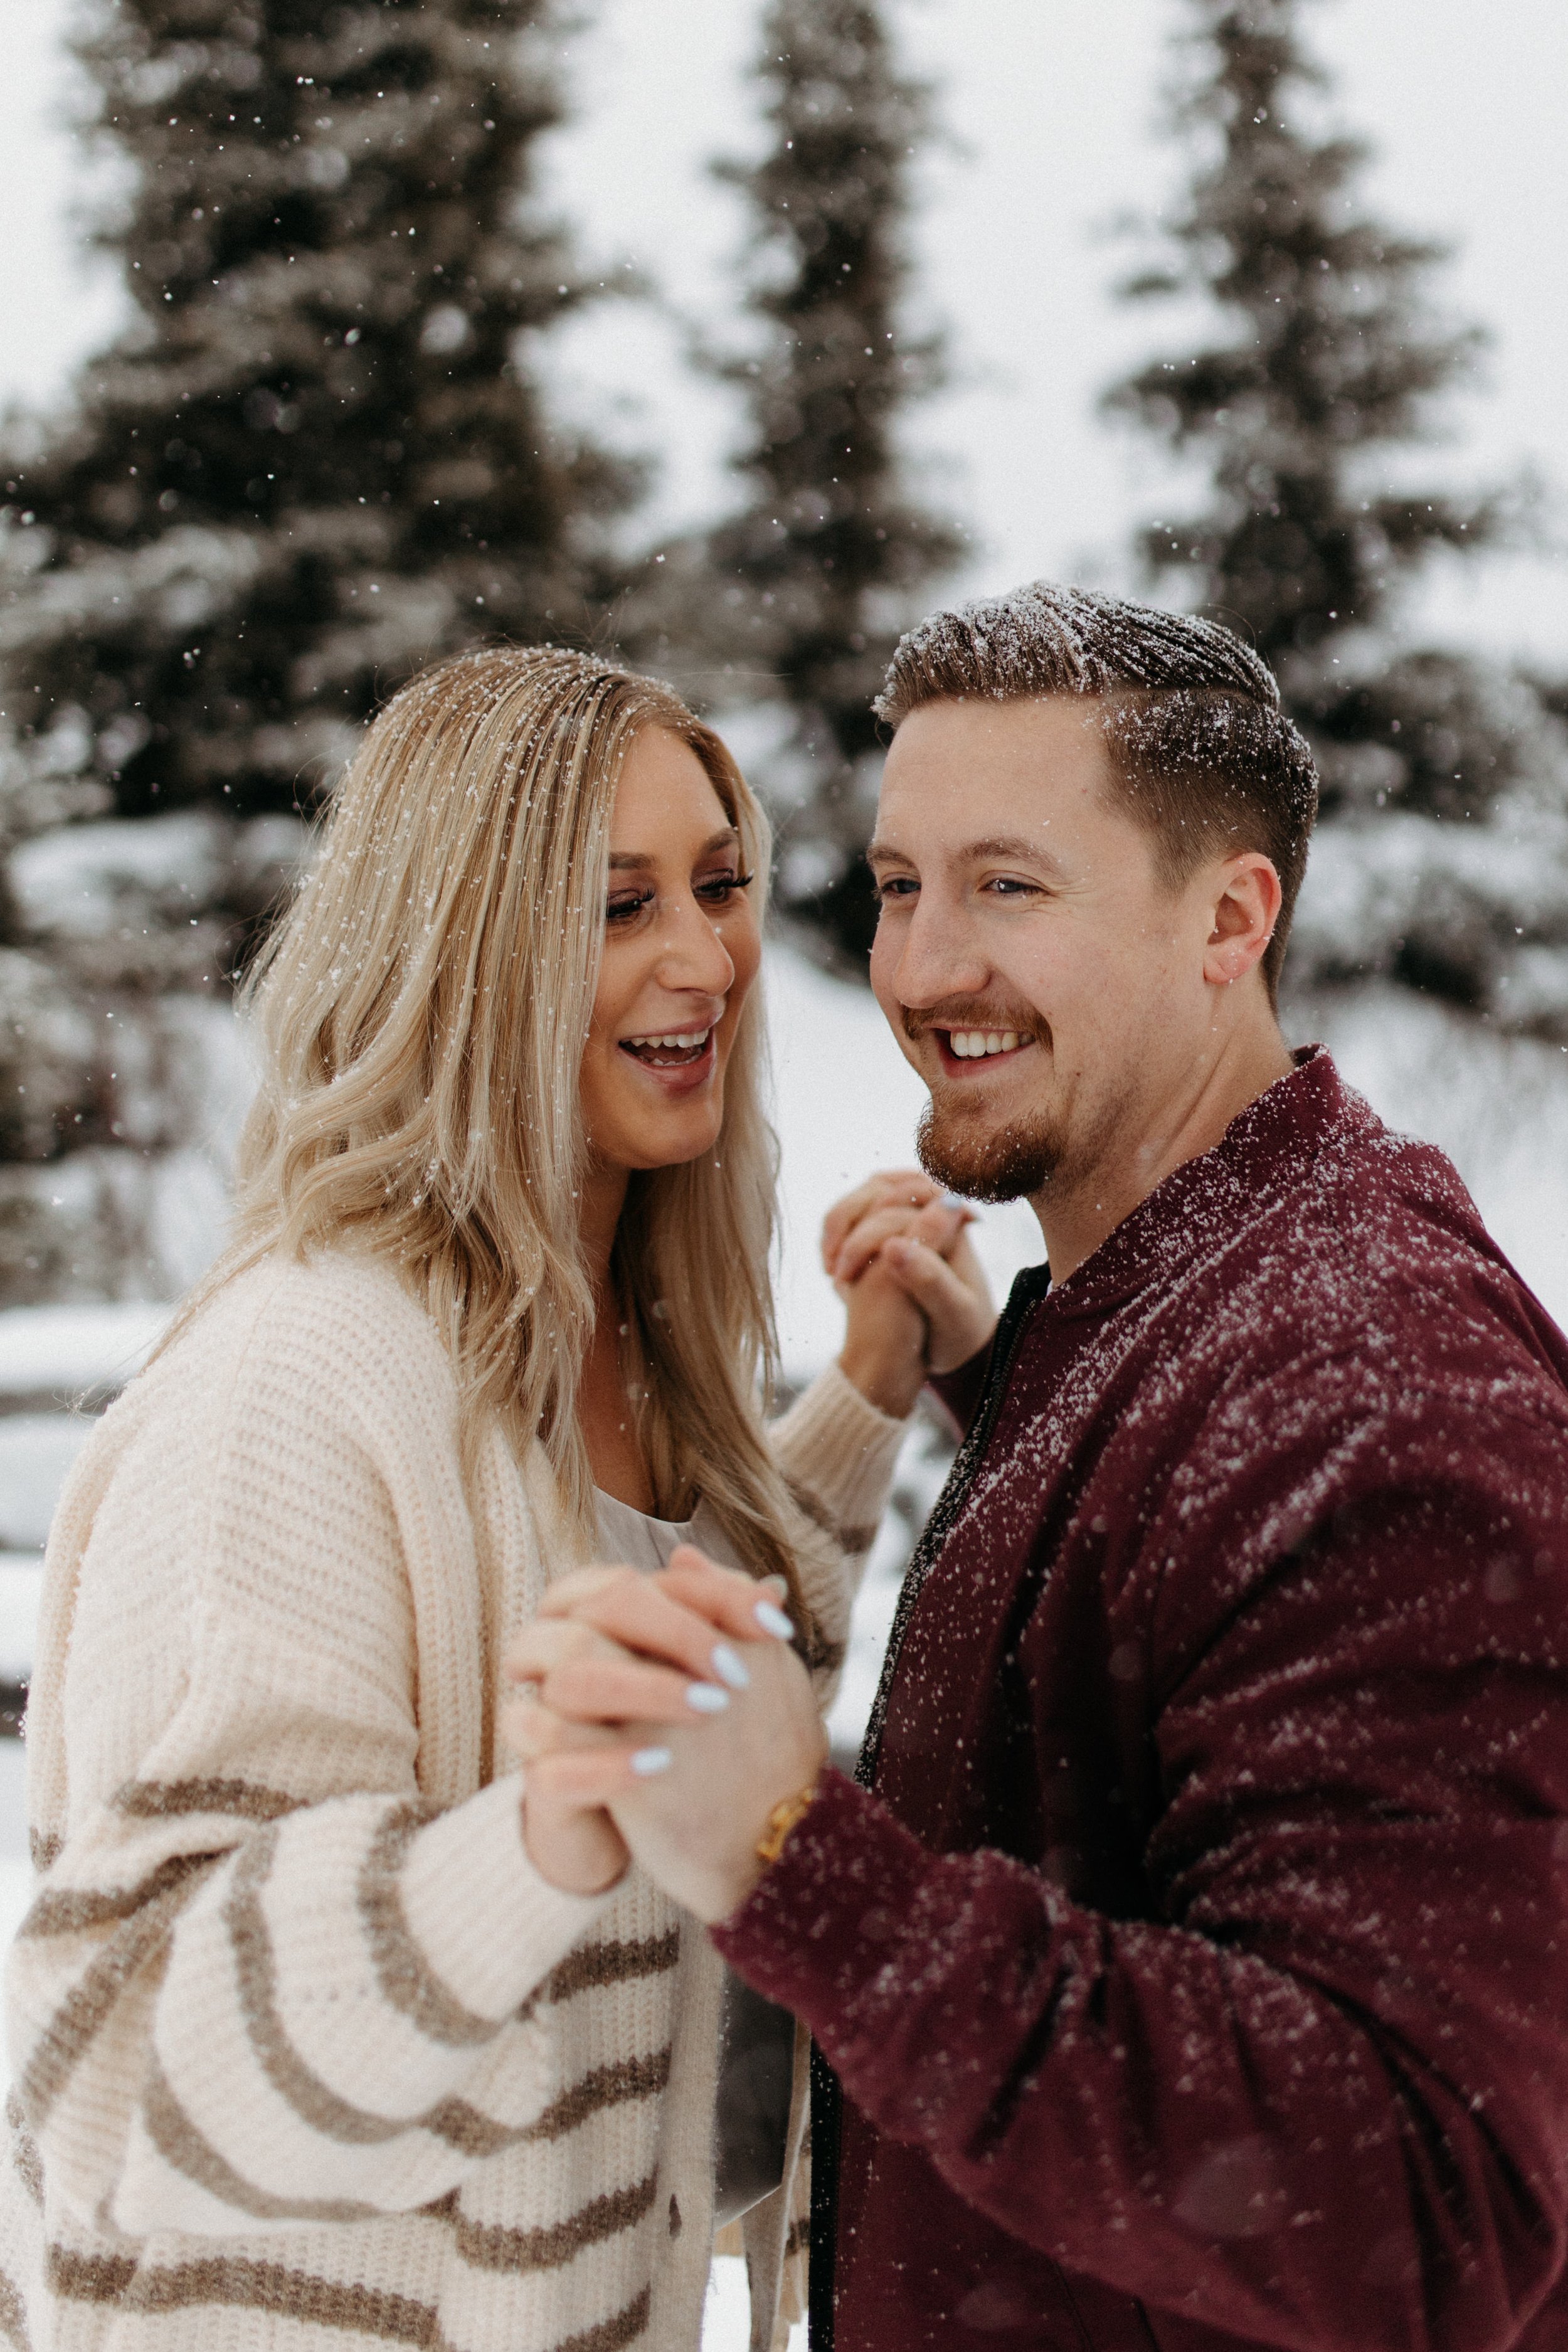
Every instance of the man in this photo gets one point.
(1190, 1967)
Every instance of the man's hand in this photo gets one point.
(899, 1254)
(674, 1706)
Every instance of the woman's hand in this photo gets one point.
(899, 1254)
(573, 1844)
(609, 1652)
(690, 1786)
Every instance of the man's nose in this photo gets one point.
(939, 958)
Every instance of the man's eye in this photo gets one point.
(898, 886)
(621, 909)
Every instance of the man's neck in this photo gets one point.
(1078, 1215)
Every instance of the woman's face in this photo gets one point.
(681, 949)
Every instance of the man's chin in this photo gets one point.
(997, 1163)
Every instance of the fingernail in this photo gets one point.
(774, 1584)
(729, 1667)
(707, 1699)
(647, 1761)
(953, 1201)
(773, 1621)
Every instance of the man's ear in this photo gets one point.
(1246, 908)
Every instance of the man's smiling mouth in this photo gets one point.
(668, 1052)
(980, 1045)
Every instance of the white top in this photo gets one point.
(643, 1542)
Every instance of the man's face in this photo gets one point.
(1046, 983)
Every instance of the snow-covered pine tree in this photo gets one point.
(1440, 861)
(821, 569)
(313, 459)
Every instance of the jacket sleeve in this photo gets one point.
(1317, 2095)
(263, 1981)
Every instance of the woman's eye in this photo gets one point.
(621, 910)
(721, 889)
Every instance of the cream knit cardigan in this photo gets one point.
(306, 2053)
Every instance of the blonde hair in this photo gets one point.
(422, 1010)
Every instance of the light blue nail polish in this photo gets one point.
(707, 1699)
(647, 1761)
(729, 1667)
(773, 1621)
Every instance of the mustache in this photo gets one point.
(974, 1012)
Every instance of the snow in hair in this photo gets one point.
(1205, 758)
(1046, 639)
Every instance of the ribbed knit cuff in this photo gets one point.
(841, 1446)
(491, 1952)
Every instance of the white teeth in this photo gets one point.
(673, 1045)
(972, 1044)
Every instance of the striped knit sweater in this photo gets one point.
(306, 2053)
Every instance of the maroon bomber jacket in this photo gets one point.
(1194, 1964)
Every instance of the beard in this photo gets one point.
(997, 1163)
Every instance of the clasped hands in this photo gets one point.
(662, 1716)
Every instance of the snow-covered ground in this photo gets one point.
(845, 1103)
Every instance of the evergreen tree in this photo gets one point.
(1443, 778)
(824, 564)
(313, 460)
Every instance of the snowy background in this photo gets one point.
(1052, 135)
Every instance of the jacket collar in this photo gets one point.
(1266, 1149)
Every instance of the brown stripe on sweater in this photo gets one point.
(851, 1539)
(86, 2278)
(314, 2101)
(81, 2014)
(159, 1800)
(184, 2146)
(612, 2334)
(245, 2284)
(614, 1963)
(799, 2235)
(25, 2159)
(68, 1911)
(14, 2315)
(44, 1849)
(605, 2086)
(405, 1976)
(492, 2246)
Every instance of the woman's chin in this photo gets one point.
(668, 1142)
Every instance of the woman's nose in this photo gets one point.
(693, 954)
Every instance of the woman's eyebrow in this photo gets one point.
(623, 861)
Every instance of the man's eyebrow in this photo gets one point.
(1003, 845)
(1010, 844)
(623, 861)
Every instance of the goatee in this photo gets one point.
(999, 1163)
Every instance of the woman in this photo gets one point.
(318, 2033)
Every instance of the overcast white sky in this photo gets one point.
(1053, 105)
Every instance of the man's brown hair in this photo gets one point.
(1204, 757)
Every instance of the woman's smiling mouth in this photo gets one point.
(668, 1051)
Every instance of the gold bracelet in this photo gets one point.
(780, 1820)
